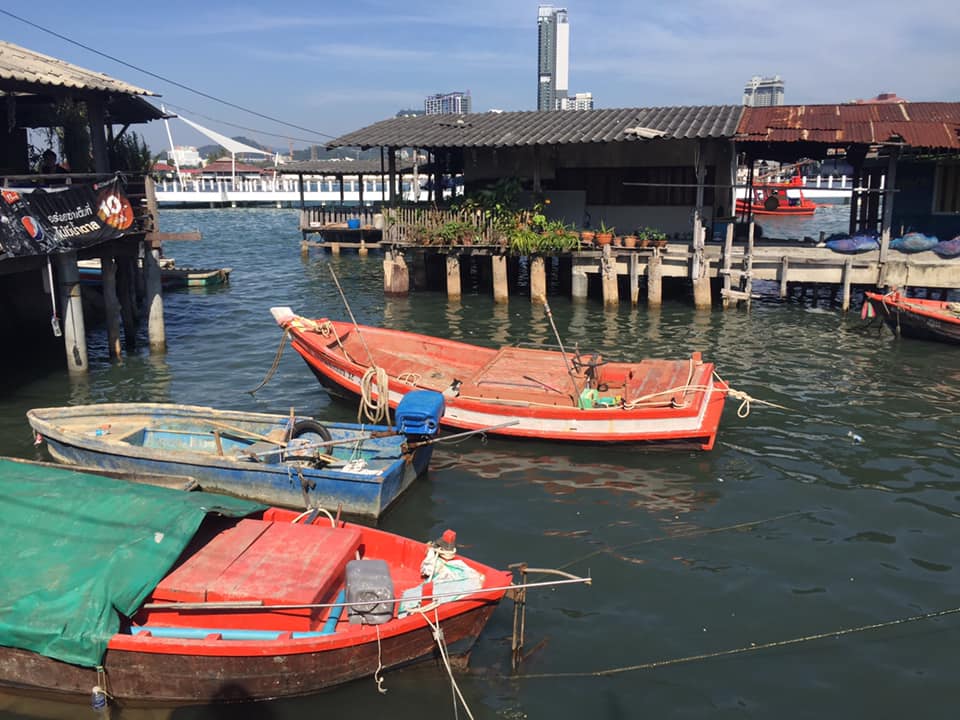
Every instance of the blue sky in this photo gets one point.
(334, 67)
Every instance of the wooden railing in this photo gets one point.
(409, 225)
(318, 217)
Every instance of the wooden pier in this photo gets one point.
(625, 274)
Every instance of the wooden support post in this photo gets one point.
(501, 290)
(111, 304)
(579, 283)
(396, 279)
(748, 264)
(71, 304)
(634, 278)
(153, 297)
(334, 248)
(392, 172)
(655, 279)
(128, 301)
(453, 277)
(727, 266)
(888, 194)
(96, 118)
(419, 262)
(784, 272)
(847, 273)
(538, 280)
(304, 247)
(608, 275)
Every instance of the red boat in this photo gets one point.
(520, 392)
(781, 199)
(262, 604)
(914, 317)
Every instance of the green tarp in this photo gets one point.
(79, 551)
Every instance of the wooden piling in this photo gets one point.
(655, 279)
(634, 269)
(153, 297)
(847, 273)
(334, 248)
(538, 280)
(608, 273)
(396, 279)
(700, 271)
(500, 287)
(126, 292)
(111, 304)
(727, 268)
(784, 271)
(71, 304)
(579, 282)
(453, 277)
(419, 263)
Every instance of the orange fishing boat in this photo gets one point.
(915, 317)
(156, 595)
(781, 199)
(515, 391)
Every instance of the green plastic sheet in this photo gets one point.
(81, 550)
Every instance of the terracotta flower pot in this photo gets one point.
(629, 241)
(587, 237)
(604, 238)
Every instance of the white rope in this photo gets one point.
(438, 636)
(376, 675)
(375, 410)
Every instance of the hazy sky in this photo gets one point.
(333, 67)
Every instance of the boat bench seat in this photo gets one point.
(271, 562)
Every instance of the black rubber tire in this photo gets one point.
(303, 427)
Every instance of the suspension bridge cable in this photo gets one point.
(161, 77)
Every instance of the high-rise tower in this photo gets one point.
(763, 91)
(553, 57)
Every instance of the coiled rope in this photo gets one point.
(376, 410)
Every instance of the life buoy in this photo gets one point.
(309, 427)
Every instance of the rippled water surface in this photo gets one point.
(788, 529)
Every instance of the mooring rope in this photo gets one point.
(445, 656)
(752, 647)
(276, 363)
(687, 534)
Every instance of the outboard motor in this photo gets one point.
(418, 414)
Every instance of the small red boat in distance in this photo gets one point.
(781, 199)
(520, 392)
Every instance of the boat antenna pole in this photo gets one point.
(350, 313)
(563, 353)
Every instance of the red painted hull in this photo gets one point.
(645, 401)
(777, 199)
(141, 669)
(917, 318)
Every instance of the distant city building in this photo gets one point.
(763, 91)
(410, 112)
(579, 101)
(553, 56)
(453, 103)
(185, 156)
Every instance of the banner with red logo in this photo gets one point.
(47, 221)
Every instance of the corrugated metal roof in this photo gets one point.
(19, 65)
(921, 125)
(566, 127)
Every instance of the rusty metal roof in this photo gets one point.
(21, 68)
(933, 125)
(561, 127)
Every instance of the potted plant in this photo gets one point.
(658, 238)
(587, 237)
(605, 234)
(629, 241)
